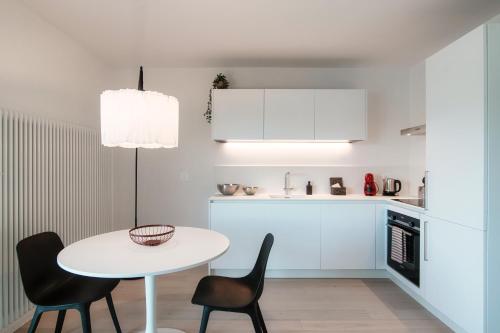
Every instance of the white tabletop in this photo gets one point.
(114, 255)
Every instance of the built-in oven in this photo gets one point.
(403, 245)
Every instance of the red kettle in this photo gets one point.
(370, 188)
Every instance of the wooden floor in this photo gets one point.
(288, 305)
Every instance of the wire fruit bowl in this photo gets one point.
(151, 234)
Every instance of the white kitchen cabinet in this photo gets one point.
(340, 114)
(289, 114)
(296, 228)
(308, 236)
(452, 271)
(455, 140)
(238, 114)
(348, 236)
(493, 167)
(462, 151)
(244, 225)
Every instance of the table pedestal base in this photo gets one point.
(150, 283)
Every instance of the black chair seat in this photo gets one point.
(223, 292)
(74, 289)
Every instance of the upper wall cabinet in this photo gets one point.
(340, 114)
(238, 114)
(289, 114)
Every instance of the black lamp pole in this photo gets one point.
(140, 87)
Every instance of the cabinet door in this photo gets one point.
(340, 114)
(348, 236)
(289, 114)
(245, 226)
(238, 114)
(455, 108)
(452, 272)
(296, 229)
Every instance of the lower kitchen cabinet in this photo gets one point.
(296, 228)
(308, 236)
(348, 236)
(452, 272)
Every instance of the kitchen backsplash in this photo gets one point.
(271, 178)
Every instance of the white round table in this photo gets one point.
(114, 255)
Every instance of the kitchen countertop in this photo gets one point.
(318, 197)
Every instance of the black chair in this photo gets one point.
(236, 294)
(51, 288)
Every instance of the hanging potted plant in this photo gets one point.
(220, 82)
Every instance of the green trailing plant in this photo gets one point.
(220, 82)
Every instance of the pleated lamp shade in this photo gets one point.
(133, 118)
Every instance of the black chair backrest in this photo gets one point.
(37, 256)
(256, 276)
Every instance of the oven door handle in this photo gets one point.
(404, 231)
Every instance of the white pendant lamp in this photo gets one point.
(133, 118)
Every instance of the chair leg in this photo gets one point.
(204, 319)
(35, 320)
(112, 311)
(85, 315)
(60, 321)
(255, 320)
(261, 318)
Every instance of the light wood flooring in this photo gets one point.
(288, 306)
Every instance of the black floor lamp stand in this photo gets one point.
(140, 87)
(135, 211)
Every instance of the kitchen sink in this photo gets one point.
(286, 196)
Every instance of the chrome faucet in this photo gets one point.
(287, 187)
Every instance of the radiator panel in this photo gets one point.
(54, 177)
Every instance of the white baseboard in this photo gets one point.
(309, 273)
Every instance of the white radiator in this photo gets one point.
(54, 177)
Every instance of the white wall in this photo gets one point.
(174, 184)
(43, 72)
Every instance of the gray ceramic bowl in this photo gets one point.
(228, 189)
(250, 190)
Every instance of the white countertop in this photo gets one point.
(318, 197)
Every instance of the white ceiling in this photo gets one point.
(284, 33)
